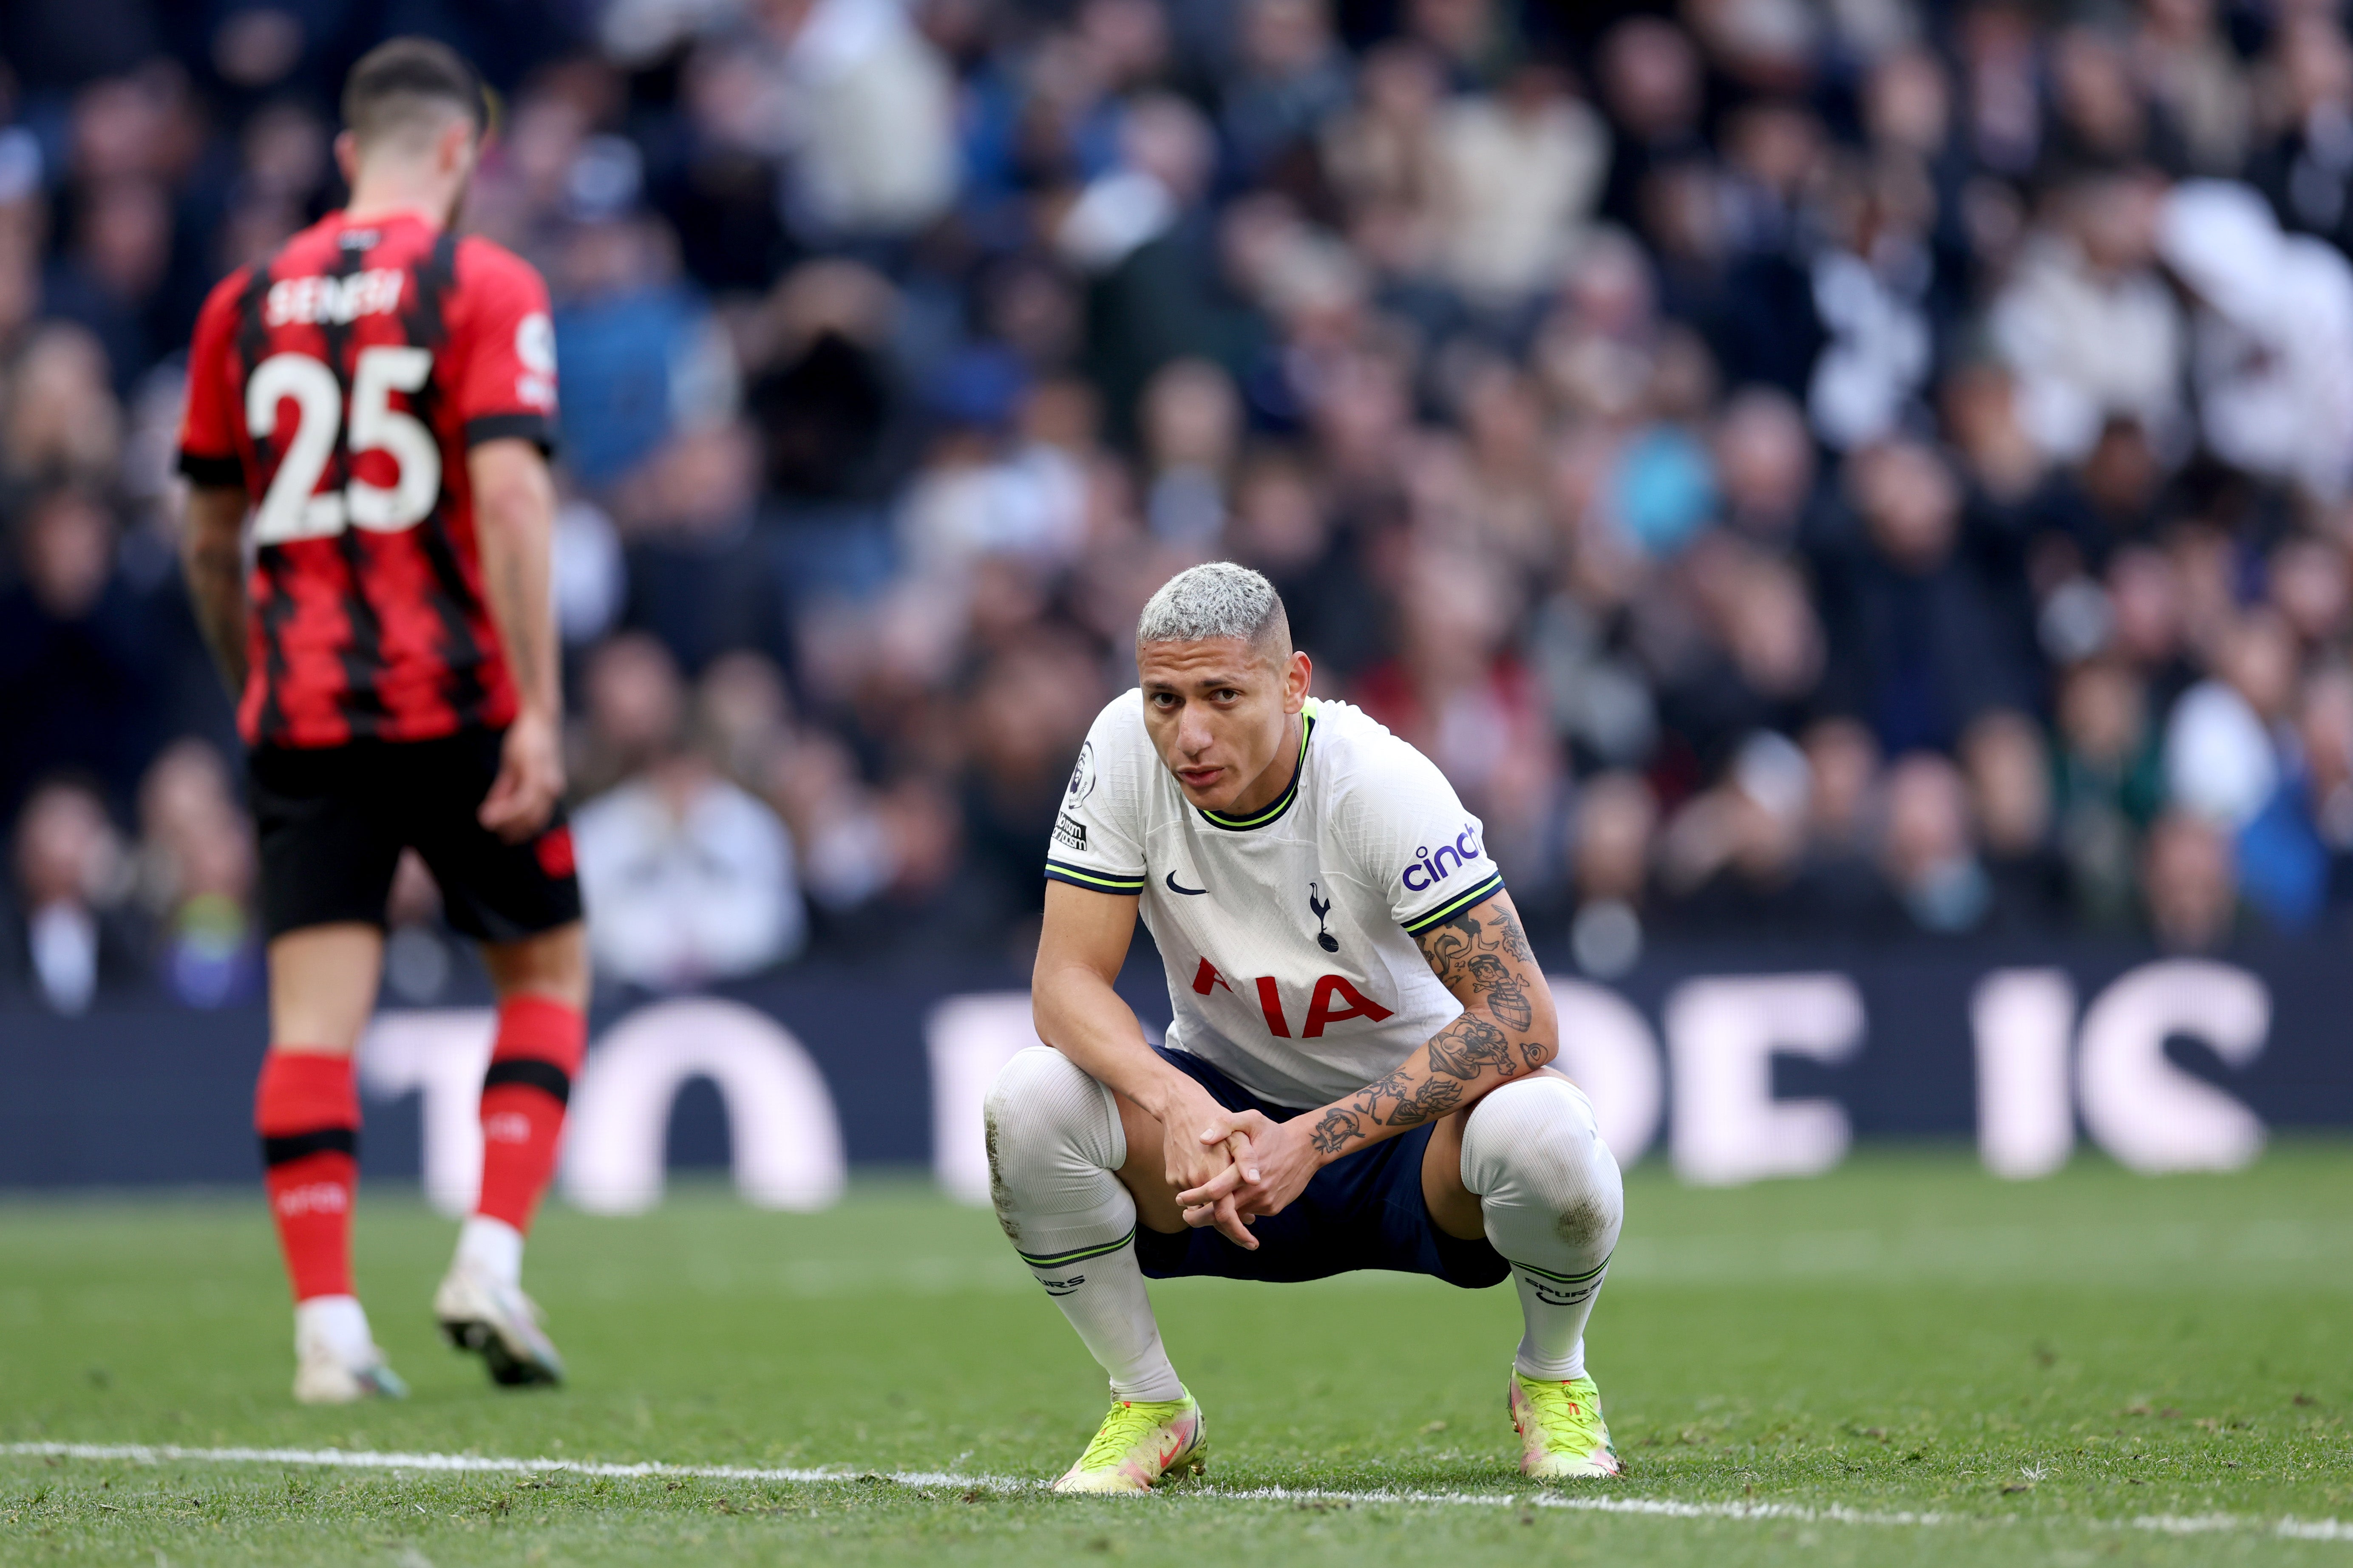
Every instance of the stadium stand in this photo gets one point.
(1867, 470)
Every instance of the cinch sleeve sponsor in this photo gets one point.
(1098, 839)
(1414, 840)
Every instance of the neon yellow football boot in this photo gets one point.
(1561, 1431)
(1139, 1442)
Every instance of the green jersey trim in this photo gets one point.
(1093, 882)
(1082, 1255)
(1281, 803)
(1455, 906)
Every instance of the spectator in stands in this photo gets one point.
(1918, 648)
(2086, 325)
(2274, 370)
(1930, 854)
(2110, 786)
(74, 939)
(2008, 771)
(63, 425)
(1841, 886)
(2189, 884)
(1734, 858)
(1522, 170)
(1613, 828)
(75, 673)
(1831, 386)
(198, 868)
(692, 877)
(1293, 75)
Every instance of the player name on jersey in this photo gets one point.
(339, 301)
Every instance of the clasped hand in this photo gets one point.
(1268, 1166)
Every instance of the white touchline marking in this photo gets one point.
(1662, 1508)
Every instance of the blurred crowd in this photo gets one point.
(1865, 469)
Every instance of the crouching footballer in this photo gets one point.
(1356, 1074)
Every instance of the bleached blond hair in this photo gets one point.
(1215, 599)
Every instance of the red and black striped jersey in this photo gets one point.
(342, 382)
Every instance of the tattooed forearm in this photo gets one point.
(1334, 1130)
(1468, 1046)
(1481, 956)
(1402, 1099)
(1436, 1097)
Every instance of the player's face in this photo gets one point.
(1220, 715)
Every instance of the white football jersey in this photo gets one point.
(1288, 935)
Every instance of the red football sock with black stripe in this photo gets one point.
(307, 1111)
(539, 1046)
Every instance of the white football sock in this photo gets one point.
(1054, 1140)
(491, 1248)
(1553, 1202)
(337, 1325)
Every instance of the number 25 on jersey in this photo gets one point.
(292, 509)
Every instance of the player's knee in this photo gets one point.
(1044, 1117)
(1537, 1143)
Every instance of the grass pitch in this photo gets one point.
(1905, 1362)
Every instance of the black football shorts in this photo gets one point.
(333, 820)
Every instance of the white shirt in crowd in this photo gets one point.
(685, 889)
(2273, 359)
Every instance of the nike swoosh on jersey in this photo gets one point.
(1173, 888)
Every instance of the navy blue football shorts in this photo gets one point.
(1364, 1210)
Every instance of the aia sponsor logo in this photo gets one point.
(1432, 869)
(1333, 999)
(312, 1197)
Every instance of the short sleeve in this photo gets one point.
(208, 444)
(506, 382)
(1098, 839)
(1411, 836)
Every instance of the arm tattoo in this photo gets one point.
(1468, 1046)
(1484, 932)
(1504, 997)
(1334, 1130)
(1413, 1102)
(1483, 956)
